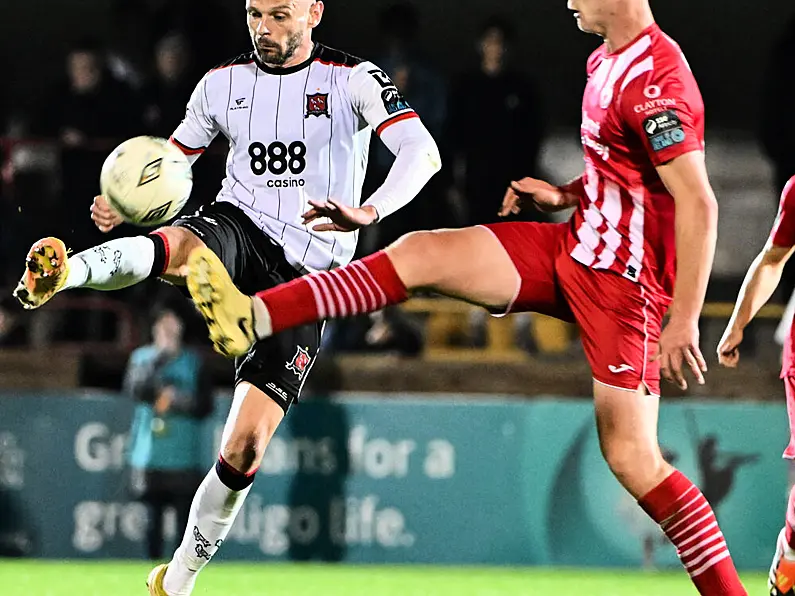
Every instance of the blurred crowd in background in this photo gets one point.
(489, 121)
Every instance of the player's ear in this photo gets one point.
(315, 13)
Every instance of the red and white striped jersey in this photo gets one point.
(642, 108)
(783, 235)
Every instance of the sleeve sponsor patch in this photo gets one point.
(394, 101)
(664, 130)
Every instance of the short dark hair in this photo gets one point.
(501, 24)
(86, 45)
(164, 310)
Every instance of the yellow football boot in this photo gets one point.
(226, 310)
(155, 581)
(46, 270)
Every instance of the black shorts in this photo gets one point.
(277, 365)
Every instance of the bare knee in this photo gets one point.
(252, 421)
(638, 468)
(243, 451)
(180, 243)
(417, 257)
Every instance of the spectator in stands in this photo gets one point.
(166, 96)
(211, 30)
(165, 381)
(495, 128)
(93, 113)
(92, 106)
(425, 90)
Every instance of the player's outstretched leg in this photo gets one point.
(113, 265)
(470, 264)
(782, 572)
(627, 424)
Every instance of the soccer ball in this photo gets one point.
(147, 180)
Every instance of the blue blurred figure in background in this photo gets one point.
(165, 380)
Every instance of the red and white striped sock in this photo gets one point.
(789, 526)
(361, 287)
(689, 523)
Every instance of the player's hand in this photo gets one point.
(729, 347)
(677, 348)
(542, 195)
(343, 218)
(105, 218)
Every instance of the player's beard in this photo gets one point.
(275, 55)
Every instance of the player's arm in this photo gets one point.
(762, 278)
(379, 103)
(193, 135)
(662, 108)
(198, 128)
(696, 232)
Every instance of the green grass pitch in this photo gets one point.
(39, 578)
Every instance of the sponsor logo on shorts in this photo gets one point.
(278, 391)
(621, 368)
(300, 362)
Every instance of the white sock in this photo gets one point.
(212, 513)
(112, 266)
(263, 326)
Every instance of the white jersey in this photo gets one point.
(295, 134)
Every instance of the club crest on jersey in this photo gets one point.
(317, 105)
(300, 362)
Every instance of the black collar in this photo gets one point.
(290, 70)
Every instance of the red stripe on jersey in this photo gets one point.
(332, 63)
(185, 149)
(394, 120)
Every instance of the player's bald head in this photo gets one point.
(280, 29)
(301, 6)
